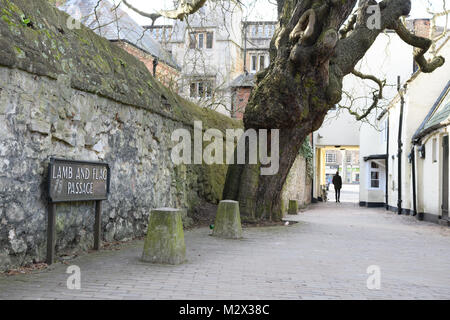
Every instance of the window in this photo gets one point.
(254, 30)
(330, 157)
(200, 40)
(348, 158)
(261, 62)
(267, 30)
(434, 150)
(374, 175)
(258, 62)
(192, 40)
(374, 179)
(209, 40)
(254, 63)
(201, 89)
(193, 89)
(201, 37)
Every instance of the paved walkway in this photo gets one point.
(324, 256)
(349, 193)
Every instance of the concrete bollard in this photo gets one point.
(165, 237)
(228, 220)
(293, 207)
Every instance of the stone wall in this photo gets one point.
(41, 118)
(71, 94)
(298, 185)
(68, 93)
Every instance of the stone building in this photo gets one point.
(208, 48)
(256, 37)
(118, 27)
(215, 48)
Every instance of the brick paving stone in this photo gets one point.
(323, 256)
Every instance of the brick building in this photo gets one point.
(118, 27)
(241, 88)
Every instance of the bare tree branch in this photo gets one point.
(185, 8)
(421, 44)
(377, 95)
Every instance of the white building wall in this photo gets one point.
(430, 179)
(423, 89)
(388, 58)
(339, 129)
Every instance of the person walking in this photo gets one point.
(337, 182)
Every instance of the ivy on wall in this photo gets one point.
(306, 152)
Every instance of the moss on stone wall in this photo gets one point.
(35, 38)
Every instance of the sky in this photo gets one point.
(261, 9)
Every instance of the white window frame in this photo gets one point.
(348, 158)
(203, 82)
(262, 57)
(333, 155)
(254, 66)
(381, 178)
(200, 40)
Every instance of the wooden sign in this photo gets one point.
(78, 180)
(70, 180)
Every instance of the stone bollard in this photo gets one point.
(165, 237)
(293, 207)
(228, 220)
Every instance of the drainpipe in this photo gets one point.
(400, 144)
(413, 163)
(155, 64)
(245, 46)
(387, 163)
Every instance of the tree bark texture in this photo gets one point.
(309, 59)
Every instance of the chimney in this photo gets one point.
(422, 27)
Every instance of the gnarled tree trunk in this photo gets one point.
(310, 55)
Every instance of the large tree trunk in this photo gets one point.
(259, 196)
(291, 95)
(309, 60)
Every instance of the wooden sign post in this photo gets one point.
(69, 181)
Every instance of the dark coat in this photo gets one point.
(337, 181)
